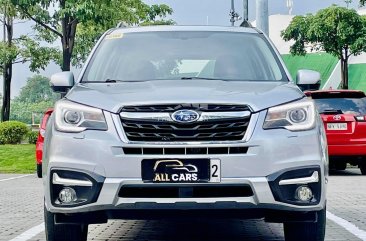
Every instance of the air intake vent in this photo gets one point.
(185, 151)
(196, 191)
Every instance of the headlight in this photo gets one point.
(297, 116)
(72, 117)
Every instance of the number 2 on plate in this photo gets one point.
(215, 168)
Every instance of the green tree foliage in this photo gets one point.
(17, 50)
(24, 112)
(79, 23)
(336, 30)
(34, 99)
(37, 90)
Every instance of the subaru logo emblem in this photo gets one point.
(185, 116)
(337, 117)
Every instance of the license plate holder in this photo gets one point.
(181, 170)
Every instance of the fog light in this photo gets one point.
(304, 194)
(67, 195)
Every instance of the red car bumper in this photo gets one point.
(347, 150)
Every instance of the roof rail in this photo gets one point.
(246, 24)
(122, 25)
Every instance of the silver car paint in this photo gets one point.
(112, 97)
(101, 152)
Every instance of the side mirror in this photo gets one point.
(308, 79)
(62, 82)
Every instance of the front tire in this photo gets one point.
(341, 166)
(63, 232)
(304, 231)
(39, 170)
(363, 169)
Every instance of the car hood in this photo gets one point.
(113, 96)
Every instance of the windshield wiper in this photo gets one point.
(99, 81)
(200, 78)
(112, 81)
(331, 111)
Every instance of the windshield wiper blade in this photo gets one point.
(202, 78)
(112, 81)
(331, 111)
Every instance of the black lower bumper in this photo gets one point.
(273, 216)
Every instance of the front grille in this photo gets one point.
(193, 191)
(175, 107)
(158, 131)
(185, 150)
(154, 123)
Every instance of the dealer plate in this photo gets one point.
(181, 170)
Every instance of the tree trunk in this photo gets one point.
(7, 71)
(344, 67)
(345, 85)
(5, 110)
(342, 73)
(69, 26)
(68, 38)
(66, 59)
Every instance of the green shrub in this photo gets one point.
(12, 132)
(32, 137)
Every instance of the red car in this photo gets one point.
(344, 116)
(40, 140)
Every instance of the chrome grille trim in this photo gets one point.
(166, 117)
(174, 107)
(213, 130)
(118, 125)
(157, 126)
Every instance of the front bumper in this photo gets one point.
(269, 152)
(266, 194)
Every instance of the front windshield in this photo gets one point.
(184, 55)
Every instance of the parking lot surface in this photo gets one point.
(21, 217)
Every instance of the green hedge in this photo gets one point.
(12, 132)
(32, 137)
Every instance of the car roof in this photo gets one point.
(322, 94)
(49, 110)
(164, 28)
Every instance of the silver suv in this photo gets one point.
(172, 122)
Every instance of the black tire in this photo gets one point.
(363, 169)
(39, 170)
(341, 166)
(63, 232)
(307, 231)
